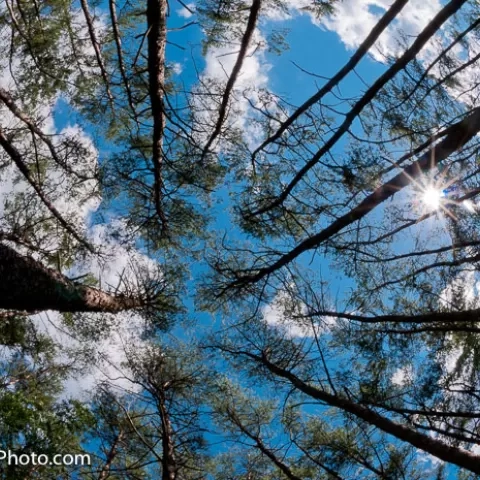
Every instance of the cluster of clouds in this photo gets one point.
(290, 317)
(278, 314)
(186, 11)
(352, 21)
(77, 201)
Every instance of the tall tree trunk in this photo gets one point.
(169, 464)
(26, 284)
(157, 40)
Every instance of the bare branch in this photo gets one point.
(15, 155)
(449, 9)
(362, 50)
(463, 132)
(247, 37)
(96, 47)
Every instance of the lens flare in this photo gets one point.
(432, 197)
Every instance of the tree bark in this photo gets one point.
(104, 474)
(157, 40)
(27, 285)
(169, 463)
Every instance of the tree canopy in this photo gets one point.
(208, 271)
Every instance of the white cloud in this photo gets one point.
(274, 316)
(106, 354)
(74, 199)
(119, 259)
(402, 376)
(112, 336)
(429, 460)
(177, 68)
(353, 20)
(186, 12)
(466, 284)
(451, 360)
(252, 79)
(78, 199)
(279, 312)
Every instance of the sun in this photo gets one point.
(432, 197)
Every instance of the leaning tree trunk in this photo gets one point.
(27, 285)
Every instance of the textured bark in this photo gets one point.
(425, 318)
(27, 285)
(105, 472)
(169, 464)
(157, 40)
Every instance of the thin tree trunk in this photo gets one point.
(110, 457)
(169, 464)
(157, 40)
(245, 43)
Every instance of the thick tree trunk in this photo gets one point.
(27, 285)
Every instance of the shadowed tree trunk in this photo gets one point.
(26, 284)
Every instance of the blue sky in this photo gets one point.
(320, 48)
(323, 51)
